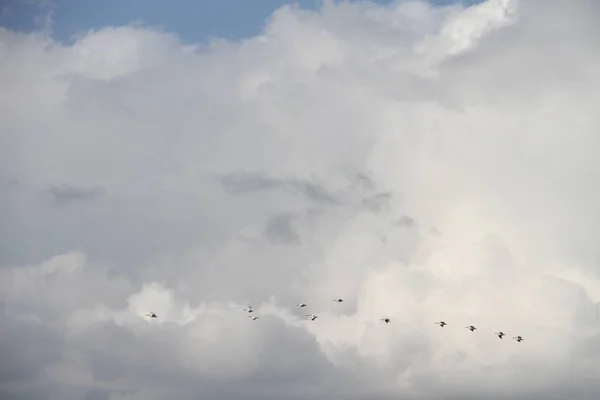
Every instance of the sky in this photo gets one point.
(422, 162)
(191, 20)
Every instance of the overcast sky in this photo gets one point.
(422, 162)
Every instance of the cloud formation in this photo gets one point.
(421, 162)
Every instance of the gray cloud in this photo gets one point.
(365, 181)
(466, 119)
(379, 202)
(435, 231)
(279, 229)
(65, 193)
(241, 183)
(7, 183)
(405, 220)
(97, 394)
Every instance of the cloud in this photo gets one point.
(196, 180)
(378, 203)
(405, 220)
(279, 229)
(245, 183)
(65, 193)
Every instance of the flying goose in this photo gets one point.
(386, 320)
(500, 334)
(441, 324)
(471, 328)
(312, 317)
(151, 315)
(338, 300)
(301, 305)
(518, 338)
(253, 317)
(248, 309)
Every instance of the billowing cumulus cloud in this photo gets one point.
(420, 162)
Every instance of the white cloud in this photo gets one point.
(421, 162)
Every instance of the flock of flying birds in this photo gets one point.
(313, 317)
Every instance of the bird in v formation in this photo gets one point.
(387, 320)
